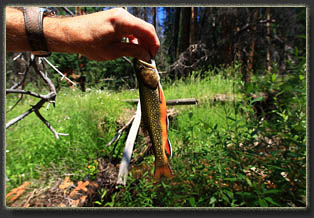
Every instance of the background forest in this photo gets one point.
(243, 144)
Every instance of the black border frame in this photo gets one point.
(130, 212)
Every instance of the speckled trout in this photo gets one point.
(154, 115)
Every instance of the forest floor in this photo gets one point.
(222, 157)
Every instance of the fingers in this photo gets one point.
(146, 35)
(127, 24)
(128, 49)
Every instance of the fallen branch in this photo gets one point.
(183, 101)
(120, 131)
(142, 154)
(57, 134)
(128, 149)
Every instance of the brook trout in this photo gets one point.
(154, 115)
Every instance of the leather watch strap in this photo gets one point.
(33, 17)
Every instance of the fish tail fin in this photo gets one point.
(164, 170)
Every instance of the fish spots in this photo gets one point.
(151, 115)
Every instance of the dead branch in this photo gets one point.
(23, 68)
(39, 68)
(194, 58)
(68, 11)
(128, 149)
(142, 154)
(46, 97)
(182, 101)
(49, 126)
(120, 131)
(58, 71)
(22, 116)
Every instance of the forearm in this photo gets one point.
(16, 39)
(97, 36)
(55, 33)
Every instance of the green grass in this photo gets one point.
(89, 119)
(213, 149)
(195, 87)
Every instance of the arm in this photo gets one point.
(96, 36)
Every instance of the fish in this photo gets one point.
(154, 115)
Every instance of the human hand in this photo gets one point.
(98, 36)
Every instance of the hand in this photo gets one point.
(98, 36)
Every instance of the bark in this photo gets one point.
(128, 149)
(253, 42)
(176, 33)
(145, 14)
(268, 61)
(184, 29)
(155, 17)
(193, 25)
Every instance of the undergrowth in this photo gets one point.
(223, 155)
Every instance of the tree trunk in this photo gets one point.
(203, 18)
(268, 61)
(193, 25)
(176, 33)
(184, 29)
(253, 41)
(145, 11)
(227, 29)
(154, 18)
(137, 12)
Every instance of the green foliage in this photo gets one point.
(115, 74)
(223, 155)
(88, 119)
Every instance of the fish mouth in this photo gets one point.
(147, 64)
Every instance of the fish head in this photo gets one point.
(147, 73)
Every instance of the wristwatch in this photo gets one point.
(33, 17)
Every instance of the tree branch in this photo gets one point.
(58, 71)
(128, 149)
(119, 133)
(48, 125)
(39, 67)
(46, 97)
(22, 116)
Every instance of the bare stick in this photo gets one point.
(49, 126)
(119, 133)
(68, 11)
(46, 97)
(142, 154)
(128, 149)
(22, 116)
(128, 60)
(18, 101)
(58, 71)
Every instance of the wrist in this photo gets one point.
(59, 34)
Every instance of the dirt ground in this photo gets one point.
(64, 192)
